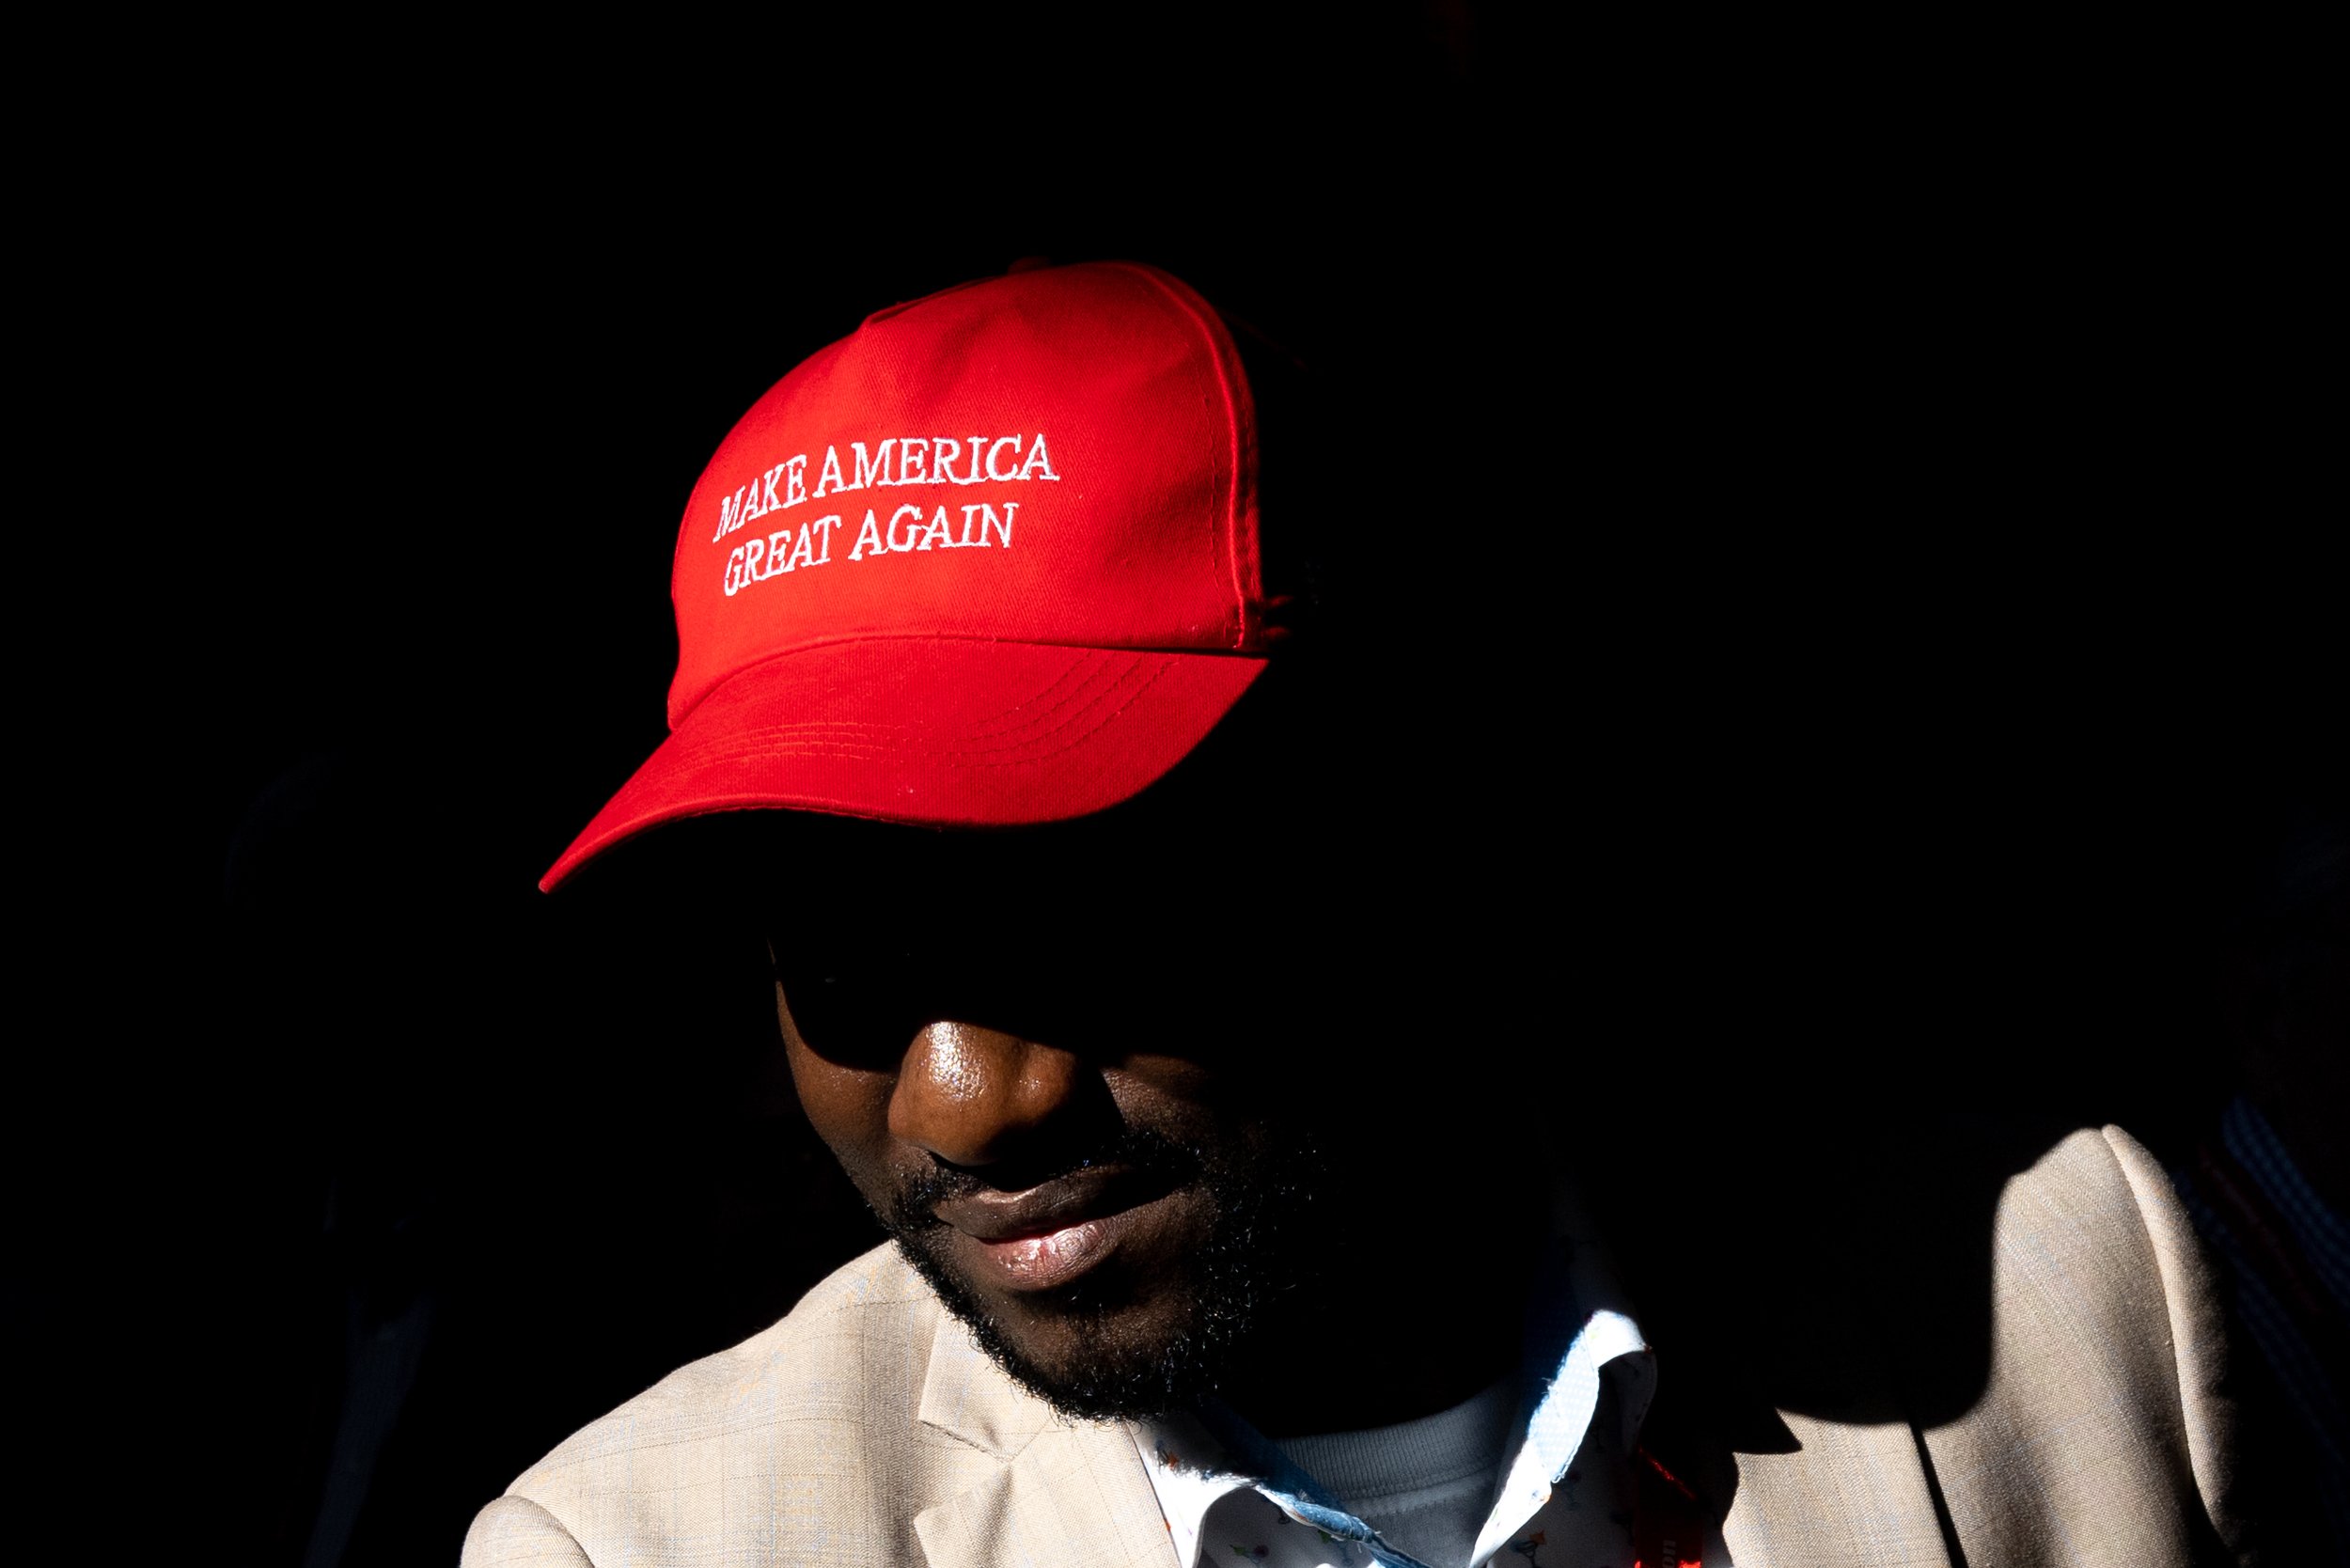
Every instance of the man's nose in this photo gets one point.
(974, 1096)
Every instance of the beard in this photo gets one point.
(1142, 1348)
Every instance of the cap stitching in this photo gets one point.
(711, 688)
(740, 753)
(1226, 513)
(1085, 675)
(936, 751)
(1074, 742)
(785, 726)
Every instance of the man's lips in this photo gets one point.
(1050, 1233)
(1048, 1206)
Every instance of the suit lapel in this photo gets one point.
(1066, 1495)
(1851, 1496)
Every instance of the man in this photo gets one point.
(1140, 968)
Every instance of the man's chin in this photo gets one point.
(1101, 1352)
(1158, 1327)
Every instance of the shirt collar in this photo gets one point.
(1577, 1336)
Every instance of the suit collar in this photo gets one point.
(1073, 1493)
(967, 1397)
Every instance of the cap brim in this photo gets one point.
(989, 734)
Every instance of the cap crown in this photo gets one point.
(1064, 456)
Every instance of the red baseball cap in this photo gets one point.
(992, 558)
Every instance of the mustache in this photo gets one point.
(1137, 1152)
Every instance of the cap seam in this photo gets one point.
(743, 749)
(1070, 744)
(1229, 481)
(803, 726)
(1216, 652)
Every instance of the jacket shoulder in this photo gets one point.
(787, 1443)
(2109, 1358)
(2051, 1356)
(866, 1320)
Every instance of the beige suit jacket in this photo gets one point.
(865, 1430)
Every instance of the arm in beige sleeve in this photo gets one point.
(513, 1531)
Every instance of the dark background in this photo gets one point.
(1874, 498)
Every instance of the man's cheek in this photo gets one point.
(861, 1153)
(876, 1182)
(848, 1108)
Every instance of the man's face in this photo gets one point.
(1066, 1079)
(1106, 1222)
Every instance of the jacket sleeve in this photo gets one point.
(512, 1531)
